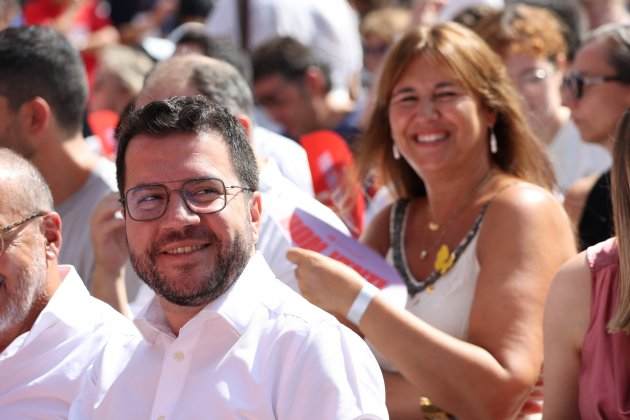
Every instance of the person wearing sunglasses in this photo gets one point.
(51, 329)
(224, 338)
(597, 91)
(531, 43)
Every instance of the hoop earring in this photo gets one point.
(395, 152)
(494, 145)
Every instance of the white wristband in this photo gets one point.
(361, 302)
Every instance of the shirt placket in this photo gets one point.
(175, 370)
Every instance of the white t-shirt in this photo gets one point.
(41, 370)
(260, 351)
(288, 155)
(573, 159)
(329, 27)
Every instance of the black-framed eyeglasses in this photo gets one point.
(6, 229)
(201, 195)
(576, 82)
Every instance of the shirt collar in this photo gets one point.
(63, 306)
(236, 306)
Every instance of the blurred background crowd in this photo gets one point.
(353, 103)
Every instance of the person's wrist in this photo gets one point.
(108, 271)
(361, 303)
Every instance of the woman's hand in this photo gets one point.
(325, 282)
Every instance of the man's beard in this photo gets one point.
(228, 265)
(29, 288)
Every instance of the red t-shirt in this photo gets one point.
(91, 16)
(332, 167)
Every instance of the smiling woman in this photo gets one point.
(475, 233)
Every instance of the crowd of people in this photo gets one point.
(197, 194)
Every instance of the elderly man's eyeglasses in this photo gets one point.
(4, 231)
(576, 82)
(202, 196)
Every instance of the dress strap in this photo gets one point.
(398, 221)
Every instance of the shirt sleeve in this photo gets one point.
(335, 376)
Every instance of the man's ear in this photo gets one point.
(52, 232)
(315, 81)
(35, 115)
(255, 212)
(246, 122)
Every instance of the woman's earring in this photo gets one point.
(494, 146)
(395, 152)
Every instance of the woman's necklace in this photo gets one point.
(444, 258)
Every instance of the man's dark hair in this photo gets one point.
(197, 10)
(184, 114)
(219, 48)
(286, 57)
(39, 61)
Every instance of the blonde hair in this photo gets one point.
(386, 23)
(620, 185)
(482, 73)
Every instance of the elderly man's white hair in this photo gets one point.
(22, 187)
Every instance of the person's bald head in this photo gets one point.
(192, 74)
(23, 184)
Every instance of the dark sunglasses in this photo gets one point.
(576, 82)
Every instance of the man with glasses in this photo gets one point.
(531, 42)
(194, 74)
(597, 90)
(224, 337)
(51, 329)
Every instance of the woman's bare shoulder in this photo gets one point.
(526, 216)
(519, 200)
(569, 300)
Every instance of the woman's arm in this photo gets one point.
(525, 238)
(403, 401)
(567, 316)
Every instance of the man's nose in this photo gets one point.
(178, 212)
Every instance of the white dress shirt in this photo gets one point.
(41, 370)
(288, 155)
(260, 351)
(573, 159)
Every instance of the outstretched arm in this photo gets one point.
(525, 238)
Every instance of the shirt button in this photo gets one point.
(179, 356)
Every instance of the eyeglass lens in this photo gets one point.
(5, 230)
(201, 196)
(575, 84)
